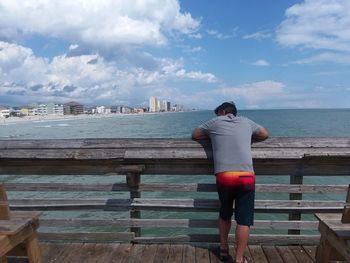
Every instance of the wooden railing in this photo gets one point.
(283, 219)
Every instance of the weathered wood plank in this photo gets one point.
(202, 254)
(272, 142)
(135, 254)
(300, 254)
(162, 253)
(158, 153)
(311, 251)
(149, 253)
(87, 237)
(286, 254)
(81, 254)
(254, 239)
(315, 166)
(175, 253)
(100, 253)
(171, 223)
(214, 253)
(189, 254)
(257, 254)
(272, 254)
(51, 252)
(209, 205)
(190, 187)
(120, 254)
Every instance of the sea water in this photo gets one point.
(280, 123)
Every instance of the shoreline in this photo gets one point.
(49, 118)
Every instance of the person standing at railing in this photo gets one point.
(231, 139)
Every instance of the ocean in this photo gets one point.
(280, 123)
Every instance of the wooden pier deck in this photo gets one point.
(162, 253)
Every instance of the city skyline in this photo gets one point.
(260, 54)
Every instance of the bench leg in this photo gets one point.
(323, 251)
(33, 249)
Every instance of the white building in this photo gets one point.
(4, 112)
(54, 109)
(100, 109)
(164, 105)
(42, 109)
(153, 104)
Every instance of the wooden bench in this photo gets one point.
(17, 230)
(335, 235)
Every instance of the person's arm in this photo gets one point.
(261, 135)
(198, 134)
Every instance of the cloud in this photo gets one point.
(96, 23)
(270, 94)
(317, 25)
(261, 62)
(222, 36)
(326, 57)
(258, 35)
(86, 78)
(255, 92)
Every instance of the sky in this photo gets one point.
(261, 54)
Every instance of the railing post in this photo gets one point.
(133, 181)
(296, 178)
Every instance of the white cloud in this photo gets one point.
(72, 47)
(317, 24)
(255, 92)
(327, 57)
(258, 35)
(261, 62)
(96, 23)
(220, 35)
(86, 78)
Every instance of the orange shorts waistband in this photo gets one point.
(235, 173)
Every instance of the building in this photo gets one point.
(4, 112)
(153, 104)
(177, 107)
(29, 111)
(54, 109)
(163, 106)
(42, 109)
(73, 108)
(168, 106)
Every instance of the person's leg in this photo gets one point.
(224, 230)
(224, 221)
(242, 236)
(244, 216)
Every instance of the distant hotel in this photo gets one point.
(157, 105)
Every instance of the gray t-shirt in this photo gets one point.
(231, 141)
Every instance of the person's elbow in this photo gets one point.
(262, 135)
(197, 134)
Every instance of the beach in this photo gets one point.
(44, 118)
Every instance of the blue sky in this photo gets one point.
(260, 54)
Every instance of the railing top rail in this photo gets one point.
(284, 155)
(106, 143)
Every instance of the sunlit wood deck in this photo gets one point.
(113, 252)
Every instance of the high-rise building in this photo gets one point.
(163, 106)
(168, 106)
(153, 104)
